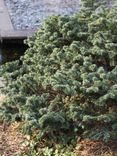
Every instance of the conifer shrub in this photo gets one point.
(66, 83)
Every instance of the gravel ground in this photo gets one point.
(29, 14)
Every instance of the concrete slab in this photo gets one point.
(5, 22)
(14, 34)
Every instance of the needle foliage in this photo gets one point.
(66, 82)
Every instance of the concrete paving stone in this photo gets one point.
(7, 30)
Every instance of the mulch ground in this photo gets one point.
(96, 148)
(12, 143)
(11, 140)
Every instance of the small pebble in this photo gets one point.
(29, 14)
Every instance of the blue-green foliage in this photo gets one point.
(67, 79)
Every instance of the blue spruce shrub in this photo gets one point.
(68, 76)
